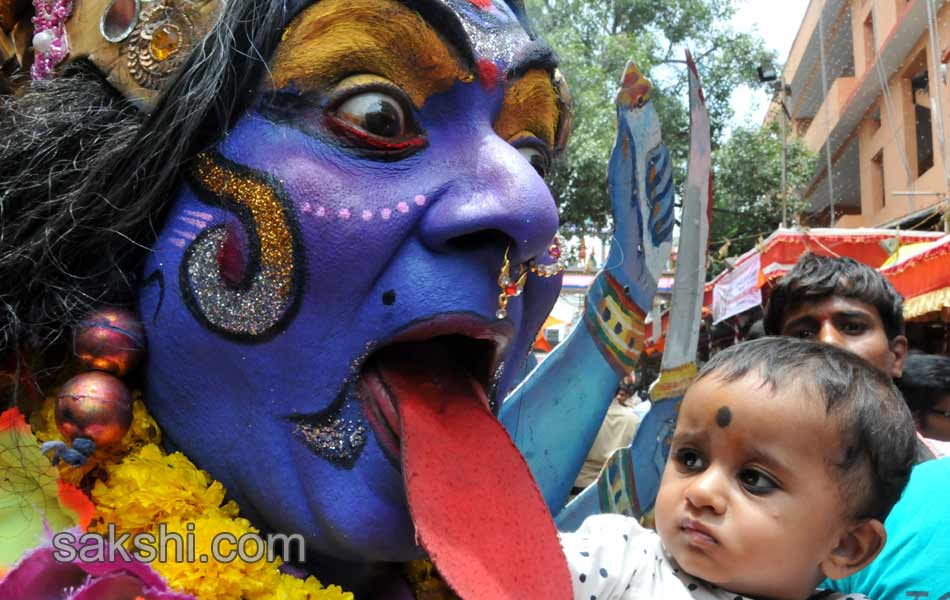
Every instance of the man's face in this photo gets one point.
(747, 501)
(367, 200)
(849, 324)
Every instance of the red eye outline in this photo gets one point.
(360, 139)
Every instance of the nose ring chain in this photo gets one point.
(509, 287)
(513, 285)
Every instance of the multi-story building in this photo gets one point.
(867, 83)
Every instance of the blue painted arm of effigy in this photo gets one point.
(554, 415)
(629, 482)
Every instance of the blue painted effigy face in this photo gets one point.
(353, 221)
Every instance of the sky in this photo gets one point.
(777, 22)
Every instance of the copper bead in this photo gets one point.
(110, 340)
(94, 405)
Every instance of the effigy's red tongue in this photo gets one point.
(476, 508)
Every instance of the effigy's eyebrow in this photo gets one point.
(536, 55)
(447, 24)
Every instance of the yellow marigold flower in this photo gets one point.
(144, 489)
(291, 588)
(149, 487)
(208, 578)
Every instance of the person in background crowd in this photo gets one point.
(617, 431)
(845, 303)
(842, 302)
(926, 388)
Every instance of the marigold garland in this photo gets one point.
(137, 485)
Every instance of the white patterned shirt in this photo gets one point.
(612, 557)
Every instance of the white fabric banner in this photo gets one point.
(738, 291)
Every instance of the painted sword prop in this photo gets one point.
(629, 482)
(554, 415)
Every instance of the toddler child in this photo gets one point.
(786, 459)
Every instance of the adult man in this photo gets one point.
(842, 302)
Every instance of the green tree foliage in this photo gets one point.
(595, 38)
(748, 192)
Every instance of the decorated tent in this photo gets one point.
(922, 274)
(916, 262)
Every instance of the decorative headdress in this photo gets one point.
(139, 44)
(136, 44)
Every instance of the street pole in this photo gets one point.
(784, 142)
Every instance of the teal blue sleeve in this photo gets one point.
(915, 561)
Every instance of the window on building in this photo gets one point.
(878, 187)
(917, 84)
(801, 126)
(870, 47)
(875, 119)
(923, 119)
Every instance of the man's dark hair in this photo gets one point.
(925, 381)
(815, 278)
(876, 429)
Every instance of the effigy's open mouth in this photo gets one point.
(451, 352)
(476, 508)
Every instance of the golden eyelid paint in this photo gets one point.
(337, 38)
(531, 105)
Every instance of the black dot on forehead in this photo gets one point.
(723, 416)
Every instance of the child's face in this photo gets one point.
(747, 501)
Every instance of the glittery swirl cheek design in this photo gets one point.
(253, 305)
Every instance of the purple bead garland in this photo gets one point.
(49, 36)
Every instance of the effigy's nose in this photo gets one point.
(494, 192)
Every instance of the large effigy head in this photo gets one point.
(344, 244)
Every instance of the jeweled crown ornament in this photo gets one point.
(136, 44)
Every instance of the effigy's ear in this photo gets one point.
(136, 46)
(16, 32)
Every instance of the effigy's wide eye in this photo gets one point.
(537, 159)
(375, 113)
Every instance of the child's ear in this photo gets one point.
(857, 546)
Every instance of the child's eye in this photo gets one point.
(690, 459)
(756, 482)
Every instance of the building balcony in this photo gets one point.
(829, 113)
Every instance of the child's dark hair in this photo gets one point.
(925, 381)
(815, 278)
(876, 430)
